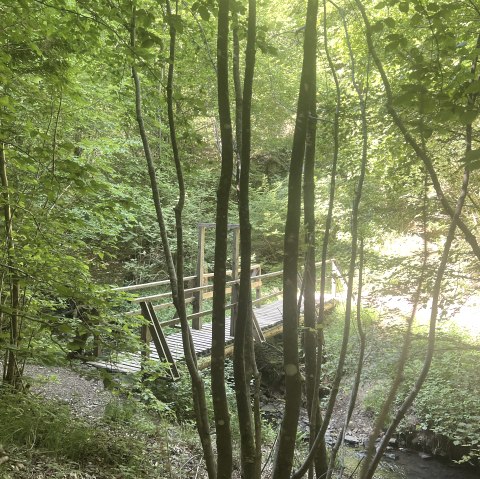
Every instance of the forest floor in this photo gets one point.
(128, 443)
(83, 393)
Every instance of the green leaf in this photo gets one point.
(144, 18)
(474, 87)
(472, 160)
(404, 7)
(472, 156)
(389, 22)
(416, 19)
(377, 26)
(468, 116)
(176, 22)
(148, 43)
(204, 13)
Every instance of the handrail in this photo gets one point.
(209, 287)
(174, 321)
(195, 295)
(165, 282)
(190, 290)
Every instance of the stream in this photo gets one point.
(417, 468)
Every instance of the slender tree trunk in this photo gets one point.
(369, 467)
(176, 282)
(355, 213)
(237, 82)
(348, 305)
(283, 461)
(311, 330)
(315, 413)
(358, 372)
(243, 333)
(12, 375)
(222, 417)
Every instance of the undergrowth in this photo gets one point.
(33, 427)
(449, 402)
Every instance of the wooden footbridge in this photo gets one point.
(163, 337)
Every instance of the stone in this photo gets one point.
(351, 439)
(391, 456)
(425, 456)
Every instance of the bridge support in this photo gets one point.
(155, 332)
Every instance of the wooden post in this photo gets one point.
(235, 276)
(258, 289)
(146, 337)
(197, 305)
(97, 347)
(334, 279)
(155, 333)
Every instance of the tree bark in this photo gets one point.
(12, 373)
(237, 82)
(220, 405)
(176, 282)
(283, 461)
(311, 330)
(354, 248)
(243, 351)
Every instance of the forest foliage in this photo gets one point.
(396, 105)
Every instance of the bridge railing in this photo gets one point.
(198, 295)
(149, 304)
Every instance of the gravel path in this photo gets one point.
(86, 397)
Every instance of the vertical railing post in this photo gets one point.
(334, 279)
(235, 276)
(258, 287)
(198, 306)
(146, 337)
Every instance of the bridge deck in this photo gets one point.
(269, 318)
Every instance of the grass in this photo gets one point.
(44, 436)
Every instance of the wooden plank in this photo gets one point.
(159, 339)
(268, 318)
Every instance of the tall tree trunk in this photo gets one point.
(283, 461)
(220, 405)
(176, 282)
(311, 330)
(350, 281)
(12, 374)
(243, 333)
(315, 414)
(237, 82)
(354, 248)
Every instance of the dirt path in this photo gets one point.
(78, 388)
